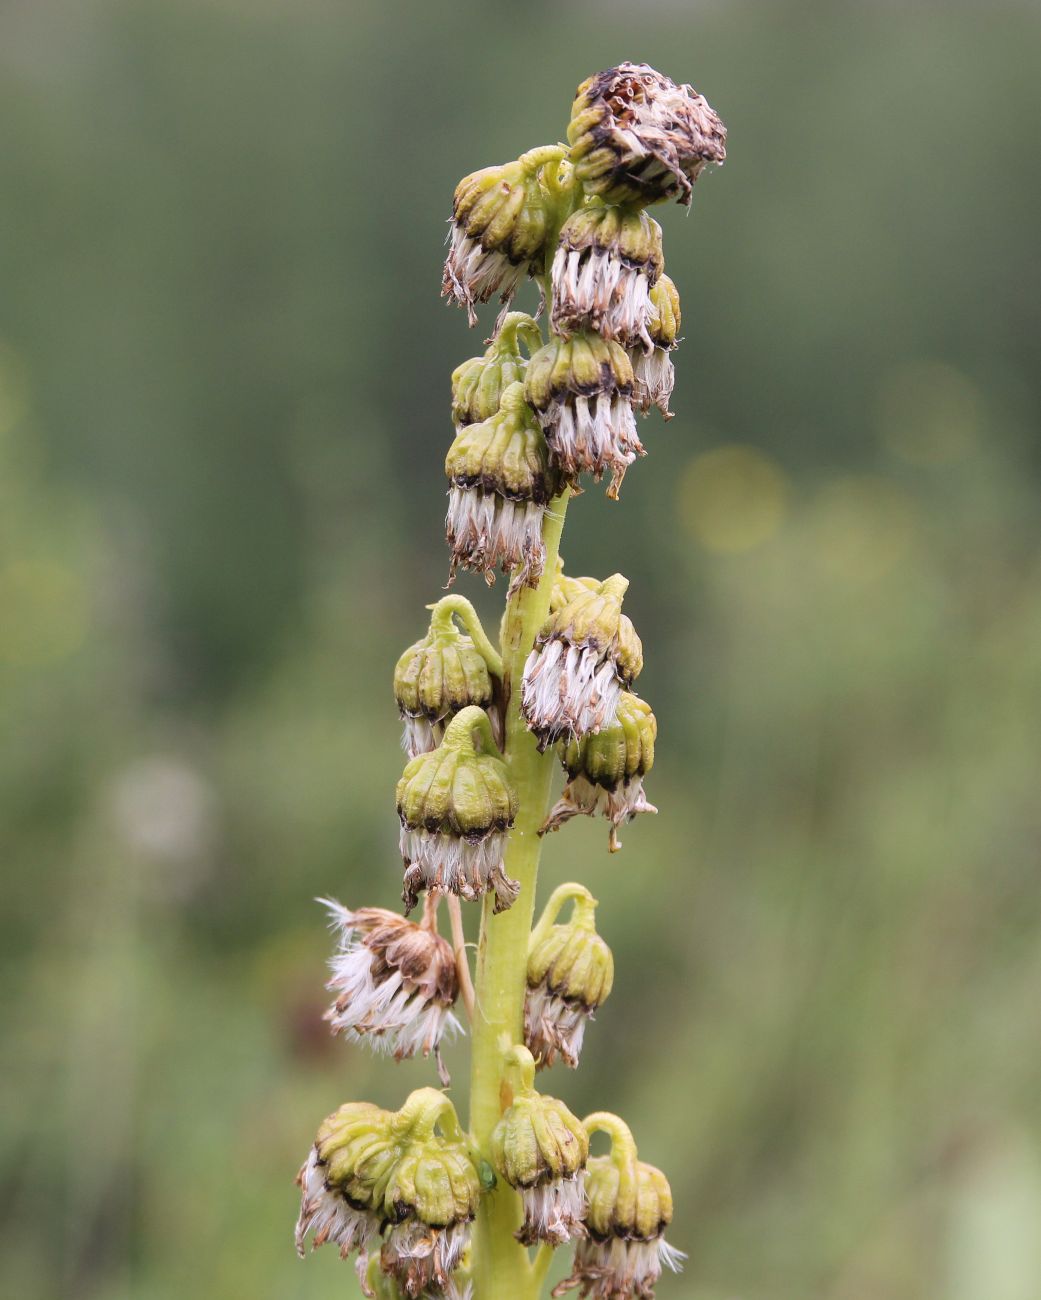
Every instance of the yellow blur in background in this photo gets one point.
(223, 415)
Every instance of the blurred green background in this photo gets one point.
(223, 410)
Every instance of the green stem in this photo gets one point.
(454, 606)
(501, 1270)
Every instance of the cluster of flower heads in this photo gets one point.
(400, 1189)
(574, 218)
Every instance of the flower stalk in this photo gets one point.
(429, 1208)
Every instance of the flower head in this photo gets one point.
(478, 384)
(430, 1201)
(455, 806)
(586, 653)
(541, 1149)
(500, 217)
(581, 390)
(654, 375)
(566, 588)
(354, 1148)
(502, 481)
(373, 1171)
(395, 981)
(606, 771)
(636, 136)
(608, 260)
(630, 1206)
(570, 973)
(438, 676)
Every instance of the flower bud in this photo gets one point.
(396, 982)
(606, 771)
(581, 389)
(585, 654)
(541, 1149)
(606, 264)
(455, 806)
(500, 216)
(570, 973)
(636, 136)
(630, 1206)
(501, 482)
(353, 1150)
(442, 674)
(654, 375)
(478, 384)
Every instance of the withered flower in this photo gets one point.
(636, 136)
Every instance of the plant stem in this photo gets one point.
(501, 1269)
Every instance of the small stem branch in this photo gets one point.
(459, 607)
(462, 958)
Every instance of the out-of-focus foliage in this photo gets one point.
(223, 410)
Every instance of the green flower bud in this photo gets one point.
(570, 973)
(606, 264)
(630, 1206)
(636, 136)
(654, 375)
(541, 1149)
(500, 216)
(501, 482)
(585, 654)
(455, 806)
(478, 384)
(581, 390)
(440, 675)
(606, 771)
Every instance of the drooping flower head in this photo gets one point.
(630, 1206)
(607, 261)
(581, 390)
(570, 973)
(478, 384)
(455, 806)
(606, 771)
(395, 980)
(636, 136)
(500, 217)
(585, 655)
(353, 1151)
(373, 1171)
(654, 375)
(430, 1198)
(541, 1149)
(502, 481)
(444, 672)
